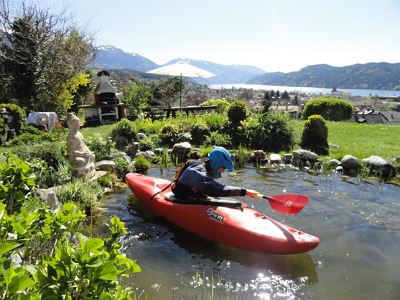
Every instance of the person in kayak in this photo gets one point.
(196, 179)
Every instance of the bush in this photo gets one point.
(19, 116)
(146, 144)
(16, 182)
(215, 121)
(169, 134)
(101, 148)
(332, 109)
(218, 139)
(125, 129)
(272, 133)
(222, 104)
(315, 135)
(3, 131)
(85, 193)
(107, 181)
(52, 153)
(141, 164)
(237, 111)
(33, 138)
(199, 132)
(49, 177)
(122, 167)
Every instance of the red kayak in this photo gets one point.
(223, 220)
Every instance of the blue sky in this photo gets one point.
(275, 35)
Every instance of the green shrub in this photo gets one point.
(16, 182)
(102, 148)
(85, 193)
(48, 177)
(168, 134)
(56, 261)
(107, 181)
(18, 114)
(271, 133)
(315, 135)
(124, 128)
(199, 132)
(237, 111)
(141, 164)
(52, 153)
(146, 144)
(122, 167)
(33, 138)
(3, 131)
(332, 109)
(222, 105)
(218, 139)
(215, 121)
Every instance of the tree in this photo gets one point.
(41, 54)
(167, 91)
(136, 96)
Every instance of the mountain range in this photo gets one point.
(363, 76)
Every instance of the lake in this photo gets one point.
(308, 90)
(358, 223)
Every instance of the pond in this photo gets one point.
(357, 221)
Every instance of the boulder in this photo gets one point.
(132, 149)
(349, 162)
(305, 155)
(145, 155)
(287, 158)
(140, 136)
(380, 166)
(275, 158)
(105, 165)
(50, 197)
(121, 154)
(333, 163)
(158, 151)
(182, 148)
(259, 154)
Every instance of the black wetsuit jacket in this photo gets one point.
(195, 182)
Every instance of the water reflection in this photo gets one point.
(358, 258)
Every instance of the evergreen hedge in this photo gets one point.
(329, 108)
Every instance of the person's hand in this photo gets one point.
(253, 194)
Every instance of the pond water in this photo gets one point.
(358, 223)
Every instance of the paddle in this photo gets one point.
(290, 204)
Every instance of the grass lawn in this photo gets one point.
(360, 140)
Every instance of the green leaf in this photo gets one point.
(109, 272)
(8, 246)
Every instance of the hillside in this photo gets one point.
(109, 57)
(359, 76)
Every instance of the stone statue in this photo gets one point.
(80, 156)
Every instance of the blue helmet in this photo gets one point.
(220, 158)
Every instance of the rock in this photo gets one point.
(333, 163)
(133, 149)
(50, 197)
(339, 169)
(287, 158)
(380, 166)
(259, 154)
(275, 158)
(349, 162)
(140, 136)
(120, 142)
(305, 155)
(158, 151)
(182, 148)
(195, 154)
(146, 155)
(123, 155)
(105, 165)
